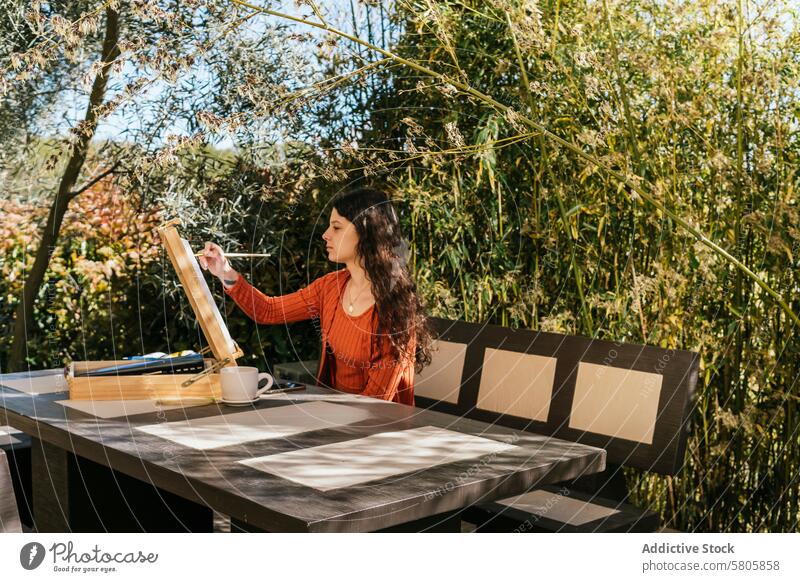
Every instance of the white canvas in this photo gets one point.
(205, 295)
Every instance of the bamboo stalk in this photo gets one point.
(576, 270)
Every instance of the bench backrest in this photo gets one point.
(632, 400)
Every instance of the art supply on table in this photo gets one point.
(179, 365)
(237, 255)
(281, 387)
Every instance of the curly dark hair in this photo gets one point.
(382, 250)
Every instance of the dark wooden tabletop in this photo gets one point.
(215, 479)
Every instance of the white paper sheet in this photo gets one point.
(116, 408)
(300, 396)
(353, 462)
(7, 439)
(6, 435)
(55, 382)
(559, 507)
(253, 425)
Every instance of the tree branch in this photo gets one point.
(94, 180)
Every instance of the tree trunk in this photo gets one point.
(23, 319)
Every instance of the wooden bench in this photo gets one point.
(632, 400)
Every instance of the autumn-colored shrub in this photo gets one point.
(93, 294)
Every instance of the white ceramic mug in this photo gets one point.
(240, 383)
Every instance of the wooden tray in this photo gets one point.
(137, 387)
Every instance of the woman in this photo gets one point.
(374, 330)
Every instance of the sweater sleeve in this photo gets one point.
(386, 372)
(298, 306)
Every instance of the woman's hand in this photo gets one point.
(213, 260)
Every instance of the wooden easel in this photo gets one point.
(168, 386)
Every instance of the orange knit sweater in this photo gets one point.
(354, 359)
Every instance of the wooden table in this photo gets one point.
(95, 474)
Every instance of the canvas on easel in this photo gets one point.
(196, 287)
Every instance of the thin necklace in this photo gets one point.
(349, 289)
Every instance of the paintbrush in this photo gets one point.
(237, 255)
